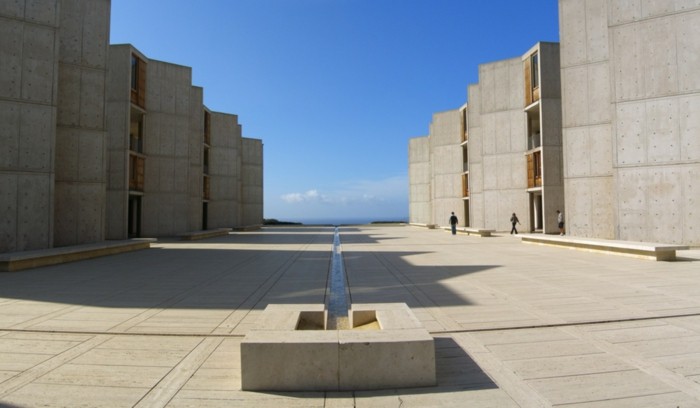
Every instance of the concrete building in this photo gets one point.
(498, 155)
(100, 142)
(53, 61)
(174, 165)
(436, 165)
(631, 119)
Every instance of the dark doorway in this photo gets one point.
(205, 216)
(134, 229)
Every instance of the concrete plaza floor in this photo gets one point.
(515, 325)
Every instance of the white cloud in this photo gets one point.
(311, 195)
(355, 192)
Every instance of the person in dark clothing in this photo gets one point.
(514, 220)
(453, 223)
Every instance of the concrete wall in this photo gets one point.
(551, 128)
(166, 145)
(632, 97)
(419, 176)
(196, 157)
(446, 163)
(117, 108)
(80, 164)
(251, 182)
(224, 171)
(29, 52)
(497, 142)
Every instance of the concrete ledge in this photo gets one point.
(428, 226)
(472, 231)
(395, 353)
(16, 261)
(195, 235)
(255, 227)
(645, 250)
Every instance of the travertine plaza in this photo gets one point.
(604, 126)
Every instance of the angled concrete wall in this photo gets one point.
(196, 157)
(166, 145)
(446, 167)
(419, 176)
(632, 97)
(29, 53)
(118, 104)
(224, 171)
(251, 182)
(497, 142)
(80, 163)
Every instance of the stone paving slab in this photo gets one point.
(514, 325)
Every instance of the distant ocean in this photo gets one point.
(344, 221)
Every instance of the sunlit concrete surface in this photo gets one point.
(514, 325)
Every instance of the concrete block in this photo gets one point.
(577, 141)
(659, 57)
(573, 32)
(92, 99)
(689, 127)
(518, 130)
(41, 11)
(651, 8)
(376, 360)
(488, 134)
(631, 135)
(11, 44)
(8, 212)
(575, 101)
(627, 62)
(37, 137)
(597, 40)
(625, 11)
(9, 134)
(12, 8)
(690, 202)
(662, 131)
(503, 89)
(91, 154)
(277, 358)
(601, 150)
(39, 64)
(34, 211)
(502, 136)
(71, 32)
(305, 360)
(598, 90)
(92, 199)
(69, 80)
(67, 154)
(95, 33)
(688, 48)
(487, 85)
(665, 204)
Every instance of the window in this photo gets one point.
(535, 70)
(138, 81)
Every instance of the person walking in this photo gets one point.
(514, 220)
(453, 223)
(560, 221)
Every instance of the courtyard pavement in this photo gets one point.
(515, 325)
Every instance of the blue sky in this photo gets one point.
(334, 88)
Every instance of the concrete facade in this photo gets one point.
(251, 182)
(500, 154)
(73, 131)
(497, 143)
(631, 97)
(175, 166)
(419, 195)
(53, 58)
(435, 172)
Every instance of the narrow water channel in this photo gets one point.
(337, 292)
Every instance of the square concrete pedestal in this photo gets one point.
(290, 350)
